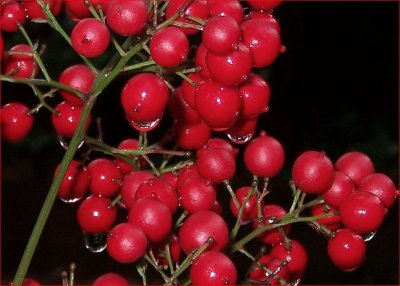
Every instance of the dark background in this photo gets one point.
(335, 89)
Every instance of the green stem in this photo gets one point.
(139, 65)
(52, 194)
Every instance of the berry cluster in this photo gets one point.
(195, 61)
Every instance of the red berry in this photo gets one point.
(196, 9)
(216, 143)
(191, 136)
(75, 182)
(181, 110)
(263, 40)
(79, 77)
(266, 16)
(199, 226)
(35, 12)
(186, 173)
(255, 96)
(271, 214)
(65, 119)
(213, 268)
(12, 14)
(200, 61)
(189, 90)
(127, 144)
(221, 35)
(96, 215)
(346, 249)
(313, 172)
(332, 222)
(30, 282)
(126, 243)
(356, 165)
(90, 37)
(272, 264)
(108, 279)
(217, 104)
(16, 122)
(264, 5)
(105, 177)
(127, 17)
(160, 250)
(130, 185)
(153, 216)
(159, 189)
(144, 99)
(340, 189)
(197, 194)
(242, 131)
(231, 8)
(20, 63)
(250, 209)
(77, 9)
(362, 212)
(264, 156)
(296, 255)
(216, 165)
(381, 186)
(232, 68)
(169, 47)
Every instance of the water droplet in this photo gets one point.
(64, 142)
(144, 126)
(70, 200)
(95, 242)
(240, 139)
(369, 236)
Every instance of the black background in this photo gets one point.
(335, 89)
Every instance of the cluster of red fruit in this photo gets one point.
(173, 217)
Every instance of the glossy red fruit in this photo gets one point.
(356, 165)
(340, 189)
(160, 250)
(75, 182)
(186, 173)
(77, 9)
(213, 268)
(231, 8)
(189, 90)
(127, 17)
(216, 165)
(197, 9)
(217, 143)
(171, 178)
(16, 122)
(332, 222)
(266, 16)
(380, 185)
(263, 40)
(30, 282)
(12, 14)
(144, 99)
(105, 177)
(221, 35)
(218, 105)
(230, 69)
(153, 216)
(271, 214)
(181, 110)
(126, 243)
(275, 266)
(130, 184)
(127, 144)
(362, 212)
(90, 38)
(190, 136)
(200, 61)
(242, 131)
(110, 278)
(199, 226)
(313, 172)
(159, 189)
(264, 5)
(35, 12)
(256, 94)
(296, 256)
(20, 62)
(197, 194)
(65, 119)
(346, 249)
(264, 156)
(79, 77)
(96, 215)
(250, 208)
(169, 47)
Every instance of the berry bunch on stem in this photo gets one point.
(196, 62)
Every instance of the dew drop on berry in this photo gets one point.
(95, 242)
(144, 126)
(369, 236)
(240, 139)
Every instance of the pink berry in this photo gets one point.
(313, 172)
(16, 122)
(90, 37)
(126, 243)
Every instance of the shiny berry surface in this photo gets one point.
(110, 279)
(16, 122)
(105, 177)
